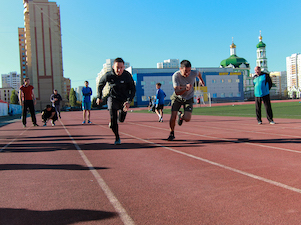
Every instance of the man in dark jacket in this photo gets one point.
(262, 85)
(49, 113)
(56, 99)
(122, 92)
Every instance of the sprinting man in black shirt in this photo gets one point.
(122, 92)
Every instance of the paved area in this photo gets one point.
(218, 170)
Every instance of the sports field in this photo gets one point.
(289, 110)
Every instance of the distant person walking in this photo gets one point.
(150, 103)
(49, 113)
(56, 99)
(122, 92)
(160, 95)
(27, 100)
(262, 85)
(86, 102)
(183, 95)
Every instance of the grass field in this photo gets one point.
(289, 110)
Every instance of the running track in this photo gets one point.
(218, 170)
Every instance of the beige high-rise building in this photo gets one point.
(41, 49)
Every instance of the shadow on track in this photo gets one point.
(9, 216)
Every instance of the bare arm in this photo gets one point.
(179, 90)
(201, 79)
(20, 97)
(33, 97)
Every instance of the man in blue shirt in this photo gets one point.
(160, 95)
(262, 85)
(86, 102)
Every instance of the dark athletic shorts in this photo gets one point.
(177, 102)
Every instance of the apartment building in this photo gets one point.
(41, 49)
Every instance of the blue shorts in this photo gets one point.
(86, 105)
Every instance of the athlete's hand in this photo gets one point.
(188, 87)
(126, 106)
(98, 101)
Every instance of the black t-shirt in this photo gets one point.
(48, 113)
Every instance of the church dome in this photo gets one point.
(235, 61)
(260, 45)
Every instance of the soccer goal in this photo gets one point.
(202, 99)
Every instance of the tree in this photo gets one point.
(72, 98)
(14, 97)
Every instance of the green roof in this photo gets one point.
(235, 61)
(260, 45)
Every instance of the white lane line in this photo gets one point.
(275, 183)
(8, 144)
(224, 139)
(126, 219)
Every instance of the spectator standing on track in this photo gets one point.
(56, 99)
(122, 92)
(262, 85)
(86, 102)
(183, 81)
(27, 100)
(49, 113)
(160, 95)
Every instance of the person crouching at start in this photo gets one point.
(49, 113)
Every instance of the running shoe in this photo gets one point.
(52, 123)
(89, 122)
(44, 125)
(171, 137)
(118, 142)
(35, 125)
(84, 122)
(180, 120)
(259, 123)
(272, 122)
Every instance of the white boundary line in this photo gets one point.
(4, 147)
(275, 183)
(224, 139)
(126, 219)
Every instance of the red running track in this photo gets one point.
(218, 170)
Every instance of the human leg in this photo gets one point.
(114, 123)
(122, 115)
(84, 116)
(268, 107)
(32, 112)
(24, 113)
(258, 108)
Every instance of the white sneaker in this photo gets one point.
(272, 122)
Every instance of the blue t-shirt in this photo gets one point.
(160, 95)
(87, 92)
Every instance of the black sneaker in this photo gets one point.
(35, 125)
(180, 120)
(171, 137)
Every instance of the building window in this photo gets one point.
(143, 98)
(238, 94)
(222, 80)
(230, 81)
(222, 95)
(214, 95)
(153, 83)
(237, 81)
(142, 82)
(213, 81)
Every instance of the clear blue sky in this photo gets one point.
(145, 32)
